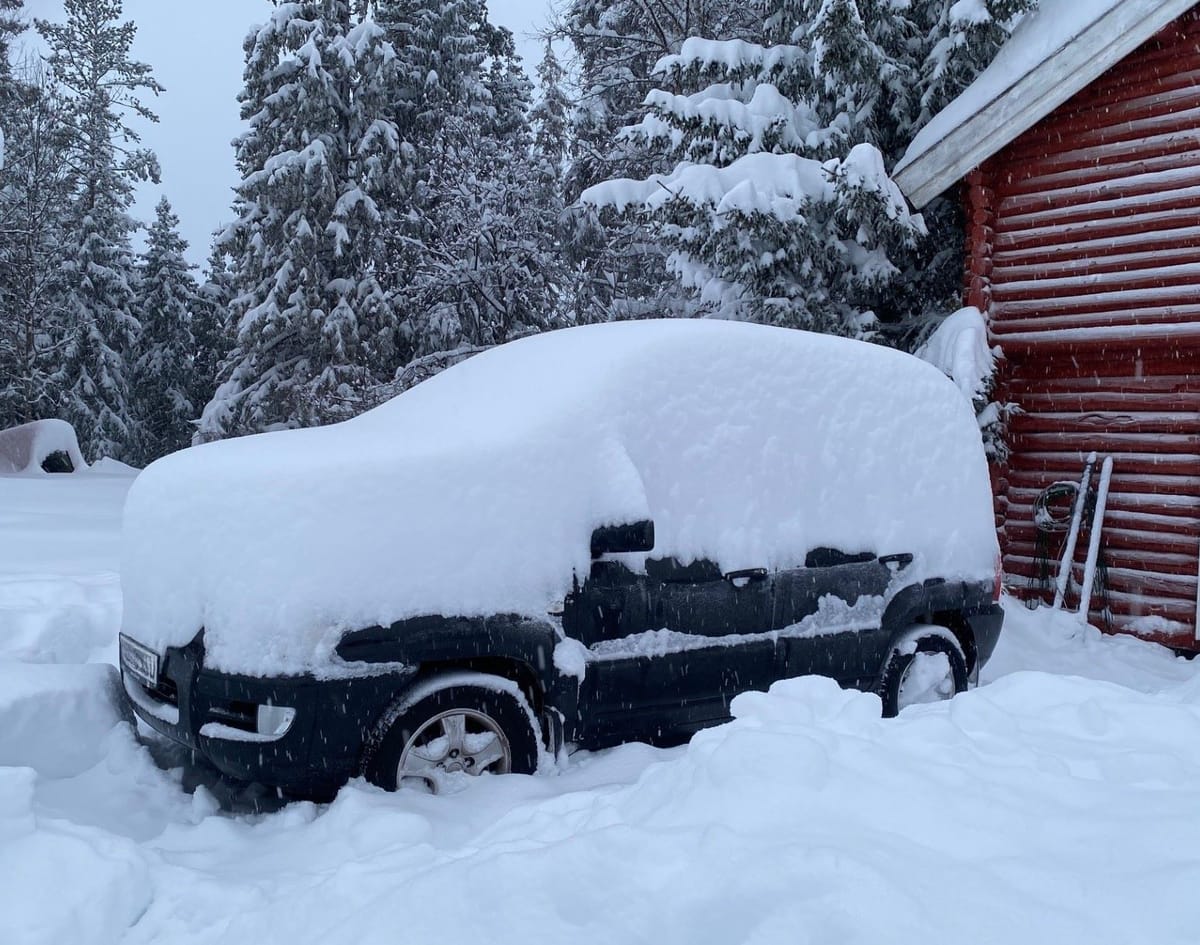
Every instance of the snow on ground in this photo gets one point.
(1053, 804)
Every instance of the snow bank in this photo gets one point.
(24, 449)
(477, 491)
(54, 718)
(959, 349)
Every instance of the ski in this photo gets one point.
(1093, 555)
(1068, 556)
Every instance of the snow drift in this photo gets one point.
(477, 491)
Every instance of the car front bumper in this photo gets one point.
(213, 714)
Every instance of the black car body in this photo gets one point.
(733, 637)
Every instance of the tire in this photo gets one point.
(898, 675)
(440, 728)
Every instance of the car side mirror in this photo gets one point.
(615, 539)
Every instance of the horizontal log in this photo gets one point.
(1123, 580)
(1156, 562)
(1121, 481)
(1104, 401)
(1052, 286)
(1100, 423)
(1105, 210)
(1130, 187)
(1068, 248)
(1165, 443)
(1068, 137)
(1013, 170)
(1069, 464)
(1006, 274)
(1145, 226)
(1041, 176)
(1024, 535)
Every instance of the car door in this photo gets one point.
(670, 647)
(823, 610)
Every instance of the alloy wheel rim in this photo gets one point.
(457, 741)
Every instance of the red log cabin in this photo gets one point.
(1078, 155)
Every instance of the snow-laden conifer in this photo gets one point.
(90, 62)
(841, 82)
(312, 329)
(163, 375)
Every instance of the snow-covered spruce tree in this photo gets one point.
(35, 192)
(90, 62)
(620, 264)
(211, 326)
(760, 226)
(828, 80)
(313, 331)
(550, 117)
(163, 379)
(494, 275)
(471, 259)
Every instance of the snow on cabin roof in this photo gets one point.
(1052, 54)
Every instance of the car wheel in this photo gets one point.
(451, 727)
(928, 669)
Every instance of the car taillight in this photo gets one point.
(998, 584)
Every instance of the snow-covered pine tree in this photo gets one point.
(495, 274)
(163, 373)
(836, 81)
(760, 226)
(90, 62)
(35, 192)
(550, 116)
(470, 255)
(313, 329)
(211, 326)
(620, 264)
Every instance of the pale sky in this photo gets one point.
(196, 52)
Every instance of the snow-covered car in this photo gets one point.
(590, 536)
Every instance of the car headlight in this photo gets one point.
(274, 720)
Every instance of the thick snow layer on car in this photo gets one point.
(477, 491)
(24, 449)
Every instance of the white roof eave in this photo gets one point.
(929, 168)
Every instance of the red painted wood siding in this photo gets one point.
(1084, 249)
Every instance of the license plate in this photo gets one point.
(139, 661)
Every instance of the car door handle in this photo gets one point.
(746, 576)
(896, 562)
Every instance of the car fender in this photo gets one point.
(421, 641)
(918, 603)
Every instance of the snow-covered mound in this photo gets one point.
(477, 491)
(24, 449)
(959, 348)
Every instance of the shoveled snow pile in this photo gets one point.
(24, 449)
(959, 348)
(477, 491)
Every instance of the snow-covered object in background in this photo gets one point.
(476, 492)
(959, 348)
(24, 449)
(1054, 52)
